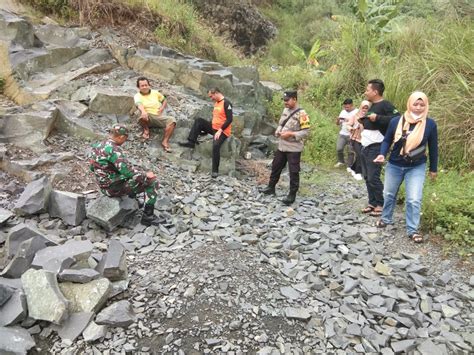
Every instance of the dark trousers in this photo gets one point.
(371, 173)
(279, 163)
(356, 147)
(202, 126)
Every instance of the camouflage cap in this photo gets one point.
(119, 130)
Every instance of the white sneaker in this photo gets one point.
(338, 164)
(349, 170)
(358, 177)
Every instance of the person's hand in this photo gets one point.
(433, 175)
(150, 174)
(380, 159)
(217, 134)
(372, 117)
(144, 116)
(286, 135)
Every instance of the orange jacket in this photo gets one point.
(222, 116)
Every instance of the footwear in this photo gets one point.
(368, 209)
(416, 237)
(338, 164)
(149, 218)
(269, 190)
(380, 224)
(358, 177)
(349, 170)
(187, 144)
(377, 212)
(288, 200)
(214, 174)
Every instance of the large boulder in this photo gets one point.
(23, 258)
(88, 297)
(45, 300)
(35, 197)
(21, 233)
(16, 29)
(111, 212)
(111, 101)
(68, 206)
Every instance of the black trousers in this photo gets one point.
(202, 126)
(356, 147)
(279, 163)
(371, 173)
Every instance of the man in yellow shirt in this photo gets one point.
(151, 104)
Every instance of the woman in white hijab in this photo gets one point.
(410, 134)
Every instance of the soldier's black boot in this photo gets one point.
(288, 200)
(269, 190)
(149, 218)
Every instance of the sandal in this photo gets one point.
(380, 224)
(375, 212)
(368, 209)
(416, 237)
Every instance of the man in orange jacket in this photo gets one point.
(220, 127)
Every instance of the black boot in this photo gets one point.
(269, 190)
(288, 200)
(149, 217)
(187, 144)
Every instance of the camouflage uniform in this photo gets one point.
(115, 176)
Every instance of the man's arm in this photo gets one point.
(388, 112)
(229, 116)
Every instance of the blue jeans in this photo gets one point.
(414, 177)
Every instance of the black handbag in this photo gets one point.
(414, 155)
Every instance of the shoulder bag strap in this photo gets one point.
(288, 118)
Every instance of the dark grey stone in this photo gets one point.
(24, 257)
(68, 206)
(111, 212)
(14, 310)
(79, 276)
(5, 293)
(403, 346)
(34, 199)
(118, 314)
(114, 265)
(56, 259)
(74, 325)
(19, 234)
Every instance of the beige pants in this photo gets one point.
(161, 121)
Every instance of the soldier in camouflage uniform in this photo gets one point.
(292, 129)
(117, 177)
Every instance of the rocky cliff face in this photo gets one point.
(241, 21)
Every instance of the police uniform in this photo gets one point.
(289, 150)
(115, 175)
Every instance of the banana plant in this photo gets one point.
(377, 14)
(314, 54)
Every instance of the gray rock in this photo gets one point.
(118, 314)
(15, 340)
(88, 297)
(5, 293)
(448, 311)
(19, 234)
(290, 292)
(111, 212)
(94, 332)
(24, 257)
(14, 310)
(430, 348)
(35, 197)
(403, 346)
(297, 313)
(58, 258)
(74, 325)
(114, 264)
(68, 206)
(5, 215)
(43, 296)
(79, 276)
(111, 101)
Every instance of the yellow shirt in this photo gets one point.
(151, 102)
